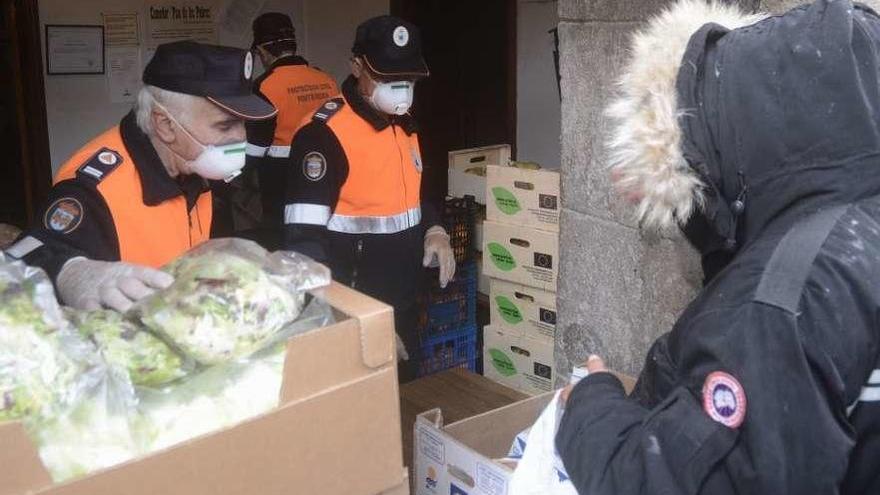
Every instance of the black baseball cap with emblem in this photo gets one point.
(273, 27)
(390, 46)
(222, 74)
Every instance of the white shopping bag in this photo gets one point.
(540, 470)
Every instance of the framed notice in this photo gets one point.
(74, 49)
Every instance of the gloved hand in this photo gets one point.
(89, 285)
(437, 244)
(402, 355)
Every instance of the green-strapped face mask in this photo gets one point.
(215, 162)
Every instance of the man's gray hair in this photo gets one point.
(178, 104)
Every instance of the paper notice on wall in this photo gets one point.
(177, 21)
(121, 29)
(123, 73)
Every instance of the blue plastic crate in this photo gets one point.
(455, 307)
(452, 350)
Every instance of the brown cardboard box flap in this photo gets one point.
(21, 471)
(376, 321)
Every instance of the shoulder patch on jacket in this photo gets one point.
(100, 165)
(326, 111)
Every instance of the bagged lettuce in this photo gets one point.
(150, 362)
(73, 405)
(229, 299)
(97, 431)
(40, 361)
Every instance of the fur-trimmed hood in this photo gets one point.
(648, 165)
(748, 119)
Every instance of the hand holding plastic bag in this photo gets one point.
(229, 298)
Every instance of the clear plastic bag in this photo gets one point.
(42, 363)
(74, 406)
(125, 343)
(226, 394)
(96, 431)
(230, 298)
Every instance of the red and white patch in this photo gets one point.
(724, 399)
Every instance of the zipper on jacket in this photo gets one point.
(402, 164)
(359, 251)
(189, 231)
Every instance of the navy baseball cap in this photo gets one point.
(390, 46)
(221, 74)
(273, 27)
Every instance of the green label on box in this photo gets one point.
(506, 201)
(503, 364)
(509, 312)
(501, 257)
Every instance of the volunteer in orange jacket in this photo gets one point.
(136, 197)
(354, 190)
(296, 90)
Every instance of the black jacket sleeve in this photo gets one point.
(793, 438)
(74, 222)
(317, 169)
(431, 200)
(260, 133)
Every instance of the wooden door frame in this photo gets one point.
(27, 75)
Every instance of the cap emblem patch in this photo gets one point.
(248, 65)
(401, 36)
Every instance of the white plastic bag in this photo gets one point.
(540, 470)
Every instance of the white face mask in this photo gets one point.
(393, 98)
(223, 162)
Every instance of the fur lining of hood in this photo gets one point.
(647, 163)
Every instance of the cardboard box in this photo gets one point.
(518, 360)
(521, 255)
(467, 170)
(523, 309)
(523, 197)
(402, 488)
(460, 458)
(336, 430)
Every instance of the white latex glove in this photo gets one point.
(402, 355)
(89, 285)
(437, 244)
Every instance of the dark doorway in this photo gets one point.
(25, 164)
(470, 98)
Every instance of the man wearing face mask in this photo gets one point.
(136, 197)
(296, 90)
(354, 189)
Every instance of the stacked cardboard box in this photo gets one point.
(520, 242)
(467, 177)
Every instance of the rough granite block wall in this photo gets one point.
(619, 288)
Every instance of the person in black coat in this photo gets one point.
(760, 137)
